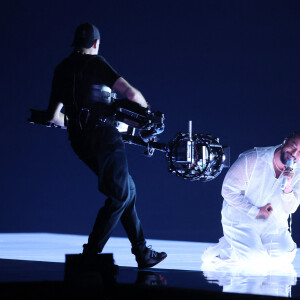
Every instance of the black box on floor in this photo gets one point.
(90, 271)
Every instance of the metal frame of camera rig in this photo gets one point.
(190, 156)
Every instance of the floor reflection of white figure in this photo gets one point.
(235, 281)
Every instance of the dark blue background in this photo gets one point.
(232, 67)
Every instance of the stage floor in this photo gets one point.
(28, 257)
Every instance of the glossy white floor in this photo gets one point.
(53, 247)
(46, 247)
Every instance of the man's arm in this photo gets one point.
(235, 185)
(53, 112)
(131, 93)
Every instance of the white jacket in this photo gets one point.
(250, 184)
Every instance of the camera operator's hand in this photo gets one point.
(265, 212)
(51, 117)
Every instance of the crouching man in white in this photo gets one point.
(256, 207)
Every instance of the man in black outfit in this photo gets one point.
(82, 83)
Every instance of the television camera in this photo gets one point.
(190, 156)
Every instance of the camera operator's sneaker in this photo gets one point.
(149, 258)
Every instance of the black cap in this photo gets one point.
(85, 35)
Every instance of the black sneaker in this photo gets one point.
(149, 258)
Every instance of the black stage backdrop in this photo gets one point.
(232, 67)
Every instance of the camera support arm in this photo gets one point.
(190, 156)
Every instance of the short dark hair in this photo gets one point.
(294, 134)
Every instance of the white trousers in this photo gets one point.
(247, 240)
(256, 241)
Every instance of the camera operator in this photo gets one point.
(82, 84)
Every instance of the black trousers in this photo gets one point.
(103, 151)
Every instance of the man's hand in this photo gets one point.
(50, 118)
(289, 174)
(265, 212)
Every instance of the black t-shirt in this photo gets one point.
(75, 75)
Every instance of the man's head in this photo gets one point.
(291, 147)
(86, 37)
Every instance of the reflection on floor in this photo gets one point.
(44, 254)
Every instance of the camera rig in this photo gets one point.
(190, 156)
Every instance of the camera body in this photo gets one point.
(190, 156)
(197, 156)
